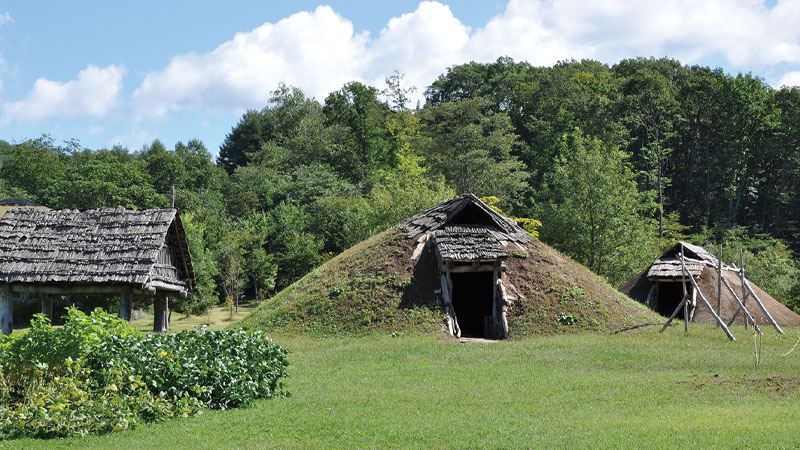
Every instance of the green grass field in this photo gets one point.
(636, 389)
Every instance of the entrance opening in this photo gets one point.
(670, 295)
(472, 301)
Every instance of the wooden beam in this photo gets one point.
(160, 285)
(76, 290)
(472, 268)
(6, 310)
(126, 303)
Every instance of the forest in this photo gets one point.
(617, 162)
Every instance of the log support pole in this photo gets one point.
(47, 306)
(161, 313)
(126, 304)
(6, 310)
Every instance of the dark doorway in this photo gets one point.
(669, 297)
(472, 301)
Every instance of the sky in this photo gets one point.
(125, 73)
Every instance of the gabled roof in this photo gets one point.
(91, 247)
(465, 210)
(668, 265)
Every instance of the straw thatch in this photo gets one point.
(141, 249)
(466, 210)
(666, 273)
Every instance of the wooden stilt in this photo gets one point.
(47, 306)
(160, 313)
(6, 310)
(126, 303)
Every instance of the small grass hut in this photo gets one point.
(94, 252)
(660, 287)
(459, 267)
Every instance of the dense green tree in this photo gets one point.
(473, 148)
(356, 122)
(593, 211)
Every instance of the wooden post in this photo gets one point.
(685, 295)
(47, 306)
(719, 282)
(675, 313)
(741, 277)
(160, 313)
(126, 303)
(6, 310)
(172, 196)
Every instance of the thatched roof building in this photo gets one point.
(459, 266)
(660, 287)
(96, 251)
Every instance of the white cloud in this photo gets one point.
(790, 79)
(419, 44)
(317, 51)
(94, 93)
(6, 18)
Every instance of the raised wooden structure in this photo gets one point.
(94, 252)
(470, 241)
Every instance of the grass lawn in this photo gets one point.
(636, 389)
(217, 318)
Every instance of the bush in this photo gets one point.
(97, 374)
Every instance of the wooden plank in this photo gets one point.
(6, 310)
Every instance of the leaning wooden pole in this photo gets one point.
(763, 308)
(741, 306)
(708, 305)
(675, 313)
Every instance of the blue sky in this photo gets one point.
(126, 73)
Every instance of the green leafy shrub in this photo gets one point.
(97, 374)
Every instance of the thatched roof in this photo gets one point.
(95, 247)
(465, 210)
(668, 265)
(467, 243)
